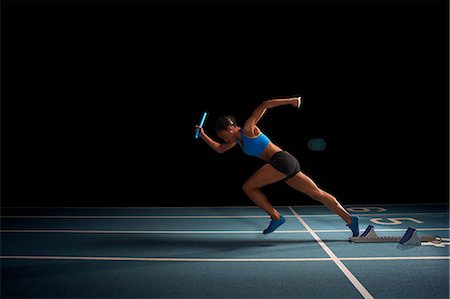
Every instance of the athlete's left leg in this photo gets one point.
(263, 176)
(267, 174)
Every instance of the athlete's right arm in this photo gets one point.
(218, 147)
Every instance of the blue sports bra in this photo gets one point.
(254, 146)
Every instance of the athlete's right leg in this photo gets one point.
(303, 183)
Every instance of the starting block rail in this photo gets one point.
(409, 238)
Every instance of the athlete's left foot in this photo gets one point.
(274, 224)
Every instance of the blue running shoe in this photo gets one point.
(354, 225)
(274, 224)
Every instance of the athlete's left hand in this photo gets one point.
(297, 102)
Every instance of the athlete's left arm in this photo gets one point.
(250, 123)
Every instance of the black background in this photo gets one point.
(100, 99)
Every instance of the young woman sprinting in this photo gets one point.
(280, 165)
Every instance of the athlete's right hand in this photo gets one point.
(197, 127)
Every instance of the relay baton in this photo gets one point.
(201, 124)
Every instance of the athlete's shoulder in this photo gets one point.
(251, 132)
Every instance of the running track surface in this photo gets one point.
(220, 252)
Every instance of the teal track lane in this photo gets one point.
(220, 252)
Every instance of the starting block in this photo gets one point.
(409, 238)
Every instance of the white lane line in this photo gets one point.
(395, 258)
(134, 217)
(83, 231)
(175, 259)
(356, 283)
(144, 231)
(142, 207)
(198, 216)
(378, 214)
(163, 259)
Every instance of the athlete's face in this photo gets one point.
(227, 135)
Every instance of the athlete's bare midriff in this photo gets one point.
(269, 151)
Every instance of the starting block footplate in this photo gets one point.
(409, 238)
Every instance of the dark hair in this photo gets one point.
(224, 121)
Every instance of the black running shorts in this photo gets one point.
(286, 163)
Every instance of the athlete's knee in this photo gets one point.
(248, 187)
(317, 194)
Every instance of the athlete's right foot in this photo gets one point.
(354, 225)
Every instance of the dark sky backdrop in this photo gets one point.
(100, 99)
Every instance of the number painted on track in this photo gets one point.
(393, 221)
